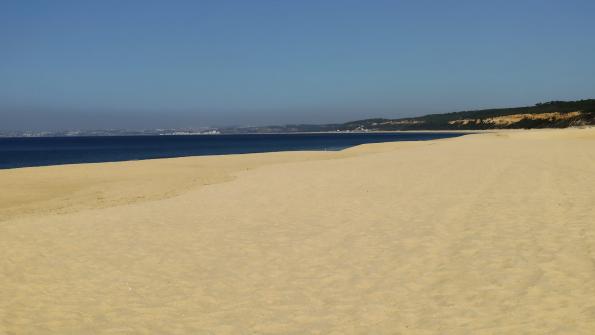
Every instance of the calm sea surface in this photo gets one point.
(40, 151)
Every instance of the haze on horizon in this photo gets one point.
(153, 64)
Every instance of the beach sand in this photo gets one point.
(483, 234)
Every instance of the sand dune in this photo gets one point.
(483, 234)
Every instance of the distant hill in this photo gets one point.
(553, 114)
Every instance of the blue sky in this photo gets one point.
(148, 64)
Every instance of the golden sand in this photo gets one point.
(483, 234)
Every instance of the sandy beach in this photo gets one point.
(489, 233)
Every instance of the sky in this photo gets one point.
(186, 64)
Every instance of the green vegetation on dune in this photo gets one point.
(585, 107)
(553, 114)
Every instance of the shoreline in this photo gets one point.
(22, 153)
(91, 183)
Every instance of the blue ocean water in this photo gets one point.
(40, 151)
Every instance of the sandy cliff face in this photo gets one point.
(508, 120)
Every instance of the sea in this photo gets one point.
(42, 151)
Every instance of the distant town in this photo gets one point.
(110, 132)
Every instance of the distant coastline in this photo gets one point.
(553, 114)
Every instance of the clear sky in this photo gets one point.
(150, 64)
